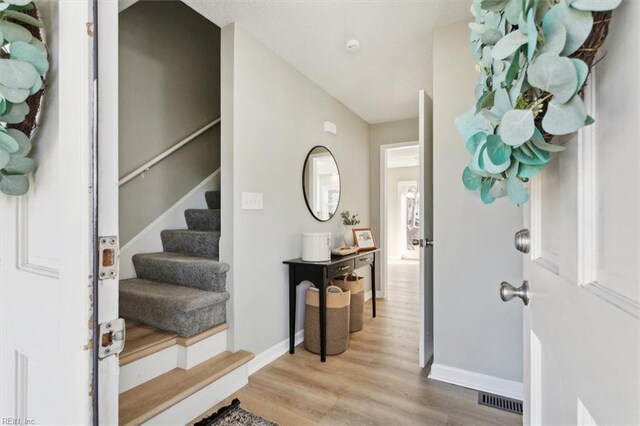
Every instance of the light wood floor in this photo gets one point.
(377, 381)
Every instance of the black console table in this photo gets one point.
(319, 273)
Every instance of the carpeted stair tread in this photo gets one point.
(181, 310)
(182, 269)
(213, 199)
(188, 241)
(203, 219)
(146, 401)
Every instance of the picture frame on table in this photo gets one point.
(363, 238)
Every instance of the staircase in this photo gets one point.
(175, 364)
(182, 289)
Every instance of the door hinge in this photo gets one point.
(112, 337)
(108, 247)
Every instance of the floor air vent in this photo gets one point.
(500, 402)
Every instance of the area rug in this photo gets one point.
(234, 415)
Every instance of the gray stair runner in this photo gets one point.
(181, 289)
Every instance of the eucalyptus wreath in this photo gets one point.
(534, 60)
(23, 66)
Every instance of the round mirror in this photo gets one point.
(321, 183)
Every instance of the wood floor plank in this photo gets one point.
(143, 340)
(377, 381)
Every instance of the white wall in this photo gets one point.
(474, 330)
(278, 117)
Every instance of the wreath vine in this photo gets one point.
(534, 60)
(23, 66)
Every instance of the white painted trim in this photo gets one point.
(148, 240)
(190, 356)
(144, 369)
(481, 382)
(614, 298)
(274, 352)
(368, 294)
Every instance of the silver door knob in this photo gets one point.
(422, 242)
(522, 241)
(508, 292)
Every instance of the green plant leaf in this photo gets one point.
(4, 6)
(517, 126)
(512, 11)
(595, 5)
(485, 191)
(36, 87)
(494, 5)
(3, 105)
(499, 189)
(485, 101)
(475, 140)
(490, 37)
(28, 53)
(562, 119)
(555, 38)
(20, 165)
(497, 151)
(39, 45)
(502, 103)
(471, 180)
(513, 70)
(477, 162)
(8, 143)
(13, 95)
(518, 194)
(578, 24)
(14, 184)
(490, 167)
(589, 121)
(541, 154)
(18, 2)
(14, 32)
(526, 171)
(532, 34)
(516, 89)
(525, 158)
(545, 146)
(15, 113)
(17, 74)
(24, 143)
(4, 157)
(554, 74)
(23, 17)
(582, 70)
(509, 44)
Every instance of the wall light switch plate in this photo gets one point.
(330, 127)
(252, 201)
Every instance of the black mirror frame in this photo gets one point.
(304, 190)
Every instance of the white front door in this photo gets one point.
(46, 243)
(425, 188)
(582, 327)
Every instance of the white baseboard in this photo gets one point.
(273, 353)
(148, 240)
(367, 295)
(481, 382)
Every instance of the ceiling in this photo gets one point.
(403, 157)
(380, 82)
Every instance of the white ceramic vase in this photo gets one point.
(347, 236)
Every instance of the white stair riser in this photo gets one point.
(176, 356)
(193, 355)
(147, 368)
(184, 411)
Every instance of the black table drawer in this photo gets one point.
(341, 268)
(364, 261)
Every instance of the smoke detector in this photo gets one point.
(352, 45)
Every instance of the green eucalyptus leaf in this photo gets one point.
(526, 171)
(15, 113)
(28, 53)
(8, 143)
(582, 70)
(485, 191)
(513, 69)
(14, 184)
(497, 151)
(13, 95)
(499, 189)
(554, 74)
(596, 5)
(485, 101)
(14, 32)
(512, 11)
(23, 17)
(589, 121)
(516, 89)
(3, 105)
(525, 158)
(17, 74)
(24, 143)
(20, 165)
(509, 44)
(517, 126)
(493, 118)
(502, 103)
(555, 38)
(39, 45)
(471, 180)
(18, 2)
(562, 119)
(36, 87)
(541, 154)
(494, 5)
(491, 37)
(477, 162)
(4, 6)
(477, 28)
(532, 34)
(4, 157)
(475, 140)
(545, 146)
(487, 59)
(578, 24)
(518, 194)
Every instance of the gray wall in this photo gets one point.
(169, 88)
(473, 253)
(278, 118)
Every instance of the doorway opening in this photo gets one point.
(400, 220)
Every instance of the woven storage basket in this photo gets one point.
(338, 302)
(355, 284)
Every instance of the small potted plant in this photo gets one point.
(349, 221)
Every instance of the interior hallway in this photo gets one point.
(375, 382)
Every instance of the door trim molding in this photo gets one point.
(614, 298)
(477, 381)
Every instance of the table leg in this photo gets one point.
(373, 285)
(323, 316)
(292, 310)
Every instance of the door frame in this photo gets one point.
(384, 191)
